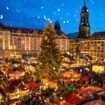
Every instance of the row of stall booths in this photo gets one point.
(14, 78)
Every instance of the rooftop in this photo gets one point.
(98, 35)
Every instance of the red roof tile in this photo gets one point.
(98, 35)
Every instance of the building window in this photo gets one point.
(102, 44)
(99, 48)
(102, 51)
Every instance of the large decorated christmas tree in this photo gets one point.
(50, 54)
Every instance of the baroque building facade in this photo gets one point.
(25, 41)
(95, 45)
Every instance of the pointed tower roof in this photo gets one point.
(57, 26)
(84, 8)
(84, 2)
(1, 25)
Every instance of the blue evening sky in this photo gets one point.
(36, 13)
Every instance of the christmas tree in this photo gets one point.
(50, 54)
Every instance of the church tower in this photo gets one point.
(57, 26)
(84, 27)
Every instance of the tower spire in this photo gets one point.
(84, 2)
(57, 26)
